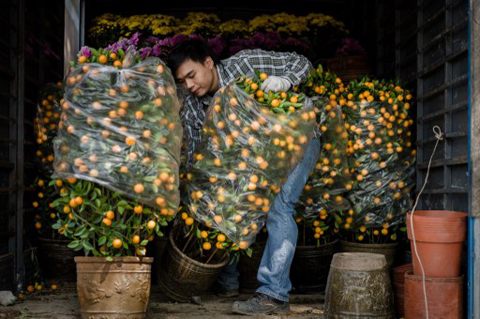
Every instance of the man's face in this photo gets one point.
(196, 77)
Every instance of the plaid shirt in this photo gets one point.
(290, 66)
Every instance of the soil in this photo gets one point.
(63, 304)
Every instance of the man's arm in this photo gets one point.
(288, 65)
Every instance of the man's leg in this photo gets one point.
(274, 271)
(227, 282)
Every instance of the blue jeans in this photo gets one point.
(274, 271)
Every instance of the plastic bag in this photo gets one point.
(46, 125)
(245, 155)
(381, 157)
(121, 128)
(323, 199)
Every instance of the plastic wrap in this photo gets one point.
(120, 128)
(323, 200)
(381, 158)
(246, 154)
(46, 125)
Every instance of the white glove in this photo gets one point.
(276, 84)
(7, 298)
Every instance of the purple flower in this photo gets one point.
(85, 51)
(152, 39)
(134, 39)
(179, 38)
(167, 42)
(297, 43)
(145, 52)
(217, 44)
(350, 46)
(156, 50)
(113, 47)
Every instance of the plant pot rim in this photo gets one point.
(332, 243)
(409, 274)
(123, 259)
(193, 261)
(351, 243)
(427, 214)
(51, 240)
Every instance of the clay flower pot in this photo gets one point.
(444, 296)
(439, 235)
(118, 289)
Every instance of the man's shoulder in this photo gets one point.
(245, 54)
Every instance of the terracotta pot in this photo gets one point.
(388, 250)
(57, 260)
(113, 290)
(358, 286)
(350, 68)
(444, 296)
(399, 287)
(439, 235)
(180, 277)
(310, 267)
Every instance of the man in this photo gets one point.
(196, 69)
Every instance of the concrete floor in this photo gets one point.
(63, 304)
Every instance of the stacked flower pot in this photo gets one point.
(437, 239)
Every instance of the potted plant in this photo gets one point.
(119, 137)
(351, 60)
(323, 200)
(194, 257)
(381, 158)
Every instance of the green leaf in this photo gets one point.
(149, 178)
(144, 242)
(122, 203)
(74, 244)
(87, 245)
(102, 240)
(121, 53)
(249, 252)
(109, 258)
(121, 210)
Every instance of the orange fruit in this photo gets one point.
(136, 239)
(221, 238)
(38, 225)
(117, 243)
(82, 59)
(243, 245)
(207, 246)
(110, 215)
(102, 59)
(130, 141)
(151, 224)
(78, 200)
(139, 114)
(106, 221)
(138, 209)
(117, 63)
(204, 234)
(39, 287)
(189, 221)
(30, 288)
(113, 55)
(139, 188)
(124, 169)
(263, 76)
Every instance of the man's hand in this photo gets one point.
(276, 84)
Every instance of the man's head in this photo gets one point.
(193, 65)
